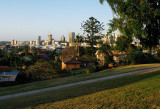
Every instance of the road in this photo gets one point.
(74, 84)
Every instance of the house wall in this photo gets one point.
(71, 66)
(2, 79)
(120, 57)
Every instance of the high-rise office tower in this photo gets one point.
(15, 42)
(63, 39)
(39, 40)
(71, 37)
(50, 38)
(31, 43)
(12, 42)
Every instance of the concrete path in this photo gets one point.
(74, 84)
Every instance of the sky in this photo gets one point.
(25, 20)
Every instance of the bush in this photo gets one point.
(114, 64)
(64, 73)
(91, 69)
(21, 78)
(99, 68)
(140, 58)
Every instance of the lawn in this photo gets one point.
(70, 79)
(136, 91)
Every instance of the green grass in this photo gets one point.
(70, 79)
(141, 95)
(136, 91)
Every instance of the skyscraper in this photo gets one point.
(12, 42)
(71, 37)
(63, 39)
(39, 40)
(50, 38)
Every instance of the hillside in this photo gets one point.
(143, 94)
(135, 91)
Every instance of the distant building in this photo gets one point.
(31, 43)
(50, 38)
(15, 42)
(71, 37)
(110, 39)
(63, 39)
(53, 42)
(12, 42)
(39, 40)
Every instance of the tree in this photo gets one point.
(78, 39)
(142, 17)
(122, 43)
(92, 27)
(41, 71)
(105, 50)
(25, 50)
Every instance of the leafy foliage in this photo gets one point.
(92, 27)
(122, 43)
(40, 71)
(137, 18)
(105, 50)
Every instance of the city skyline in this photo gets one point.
(28, 19)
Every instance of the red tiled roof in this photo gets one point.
(73, 61)
(70, 51)
(70, 60)
(4, 69)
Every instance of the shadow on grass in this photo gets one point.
(66, 93)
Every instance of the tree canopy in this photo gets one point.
(141, 18)
(93, 28)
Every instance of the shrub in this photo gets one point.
(91, 69)
(21, 78)
(139, 57)
(99, 68)
(114, 64)
(64, 73)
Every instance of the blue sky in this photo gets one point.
(28, 19)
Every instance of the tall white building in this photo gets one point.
(15, 42)
(31, 42)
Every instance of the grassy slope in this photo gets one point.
(136, 91)
(65, 80)
(144, 94)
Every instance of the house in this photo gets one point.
(119, 56)
(4, 69)
(70, 59)
(9, 76)
(77, 62)
(70, 63)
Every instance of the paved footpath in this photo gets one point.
(74, 84)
